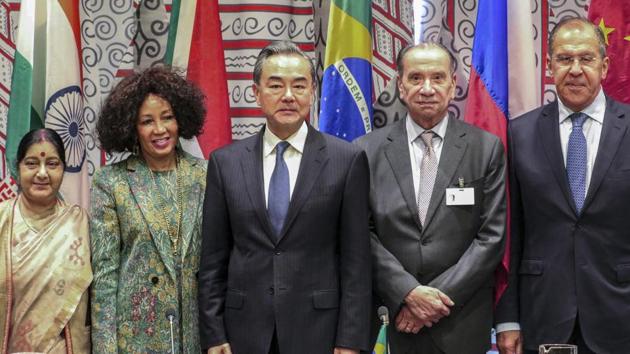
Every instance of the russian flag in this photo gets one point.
(487, 103)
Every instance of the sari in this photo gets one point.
(45, 273)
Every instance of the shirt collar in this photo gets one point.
(414, 130)
(595, 110)
(297, 140)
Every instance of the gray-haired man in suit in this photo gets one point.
(569, 276)
(438, 213)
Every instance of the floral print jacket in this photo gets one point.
(138, 282)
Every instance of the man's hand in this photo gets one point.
(220, 349)
(339, 350)
(428, 304)
(408, 323)
(510, 342)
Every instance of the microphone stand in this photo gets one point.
(171, 318)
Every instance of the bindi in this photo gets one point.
(42, 154)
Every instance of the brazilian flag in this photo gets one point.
(346, 100)
(381, 342)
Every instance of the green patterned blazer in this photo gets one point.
(138, 281)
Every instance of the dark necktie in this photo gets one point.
(576, 160)
(278, 200)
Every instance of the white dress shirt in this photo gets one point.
(592, 130)
(292, 156)
(416, 146)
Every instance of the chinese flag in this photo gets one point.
(613, 17)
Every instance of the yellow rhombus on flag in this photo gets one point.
(381, 342)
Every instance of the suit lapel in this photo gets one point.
(613, 131)
(252, 169)
(397, 153)
(147, 198)
(549, 133)
(313, 161)
(453, 150)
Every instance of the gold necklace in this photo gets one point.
(173, 233)
(36, 224)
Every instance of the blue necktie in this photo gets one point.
(576, 160)
(278, 200)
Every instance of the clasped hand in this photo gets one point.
(423, 307)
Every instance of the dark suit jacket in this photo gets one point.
(314, 284)
(562, 263)
(460, 246)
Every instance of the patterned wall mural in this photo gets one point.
(9, 12)
(247, 26)
(120, 36)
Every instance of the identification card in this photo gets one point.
(460, 196)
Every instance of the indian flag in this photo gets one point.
(23, 115)
(195, 45)
(46, 86)
(346, 103)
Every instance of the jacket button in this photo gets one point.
(155, 280)
(278, 253)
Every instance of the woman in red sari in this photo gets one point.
(44, 256)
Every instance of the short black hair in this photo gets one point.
(116, 126)
(601, 38)
(424, 45)
(277, 48)
(37, 136)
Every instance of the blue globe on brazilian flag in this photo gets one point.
(346, 100)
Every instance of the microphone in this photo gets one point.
(170, 316)
(383, 315)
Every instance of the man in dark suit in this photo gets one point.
(570, 196)
(285, 262)
(438, 213)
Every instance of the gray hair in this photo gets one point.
(277, 48)
(601, 38)
(424, 45)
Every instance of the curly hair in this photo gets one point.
(116, 126)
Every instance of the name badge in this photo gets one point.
(460, 196)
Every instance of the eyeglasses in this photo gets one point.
(583, 60)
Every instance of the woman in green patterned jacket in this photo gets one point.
(146, 218)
